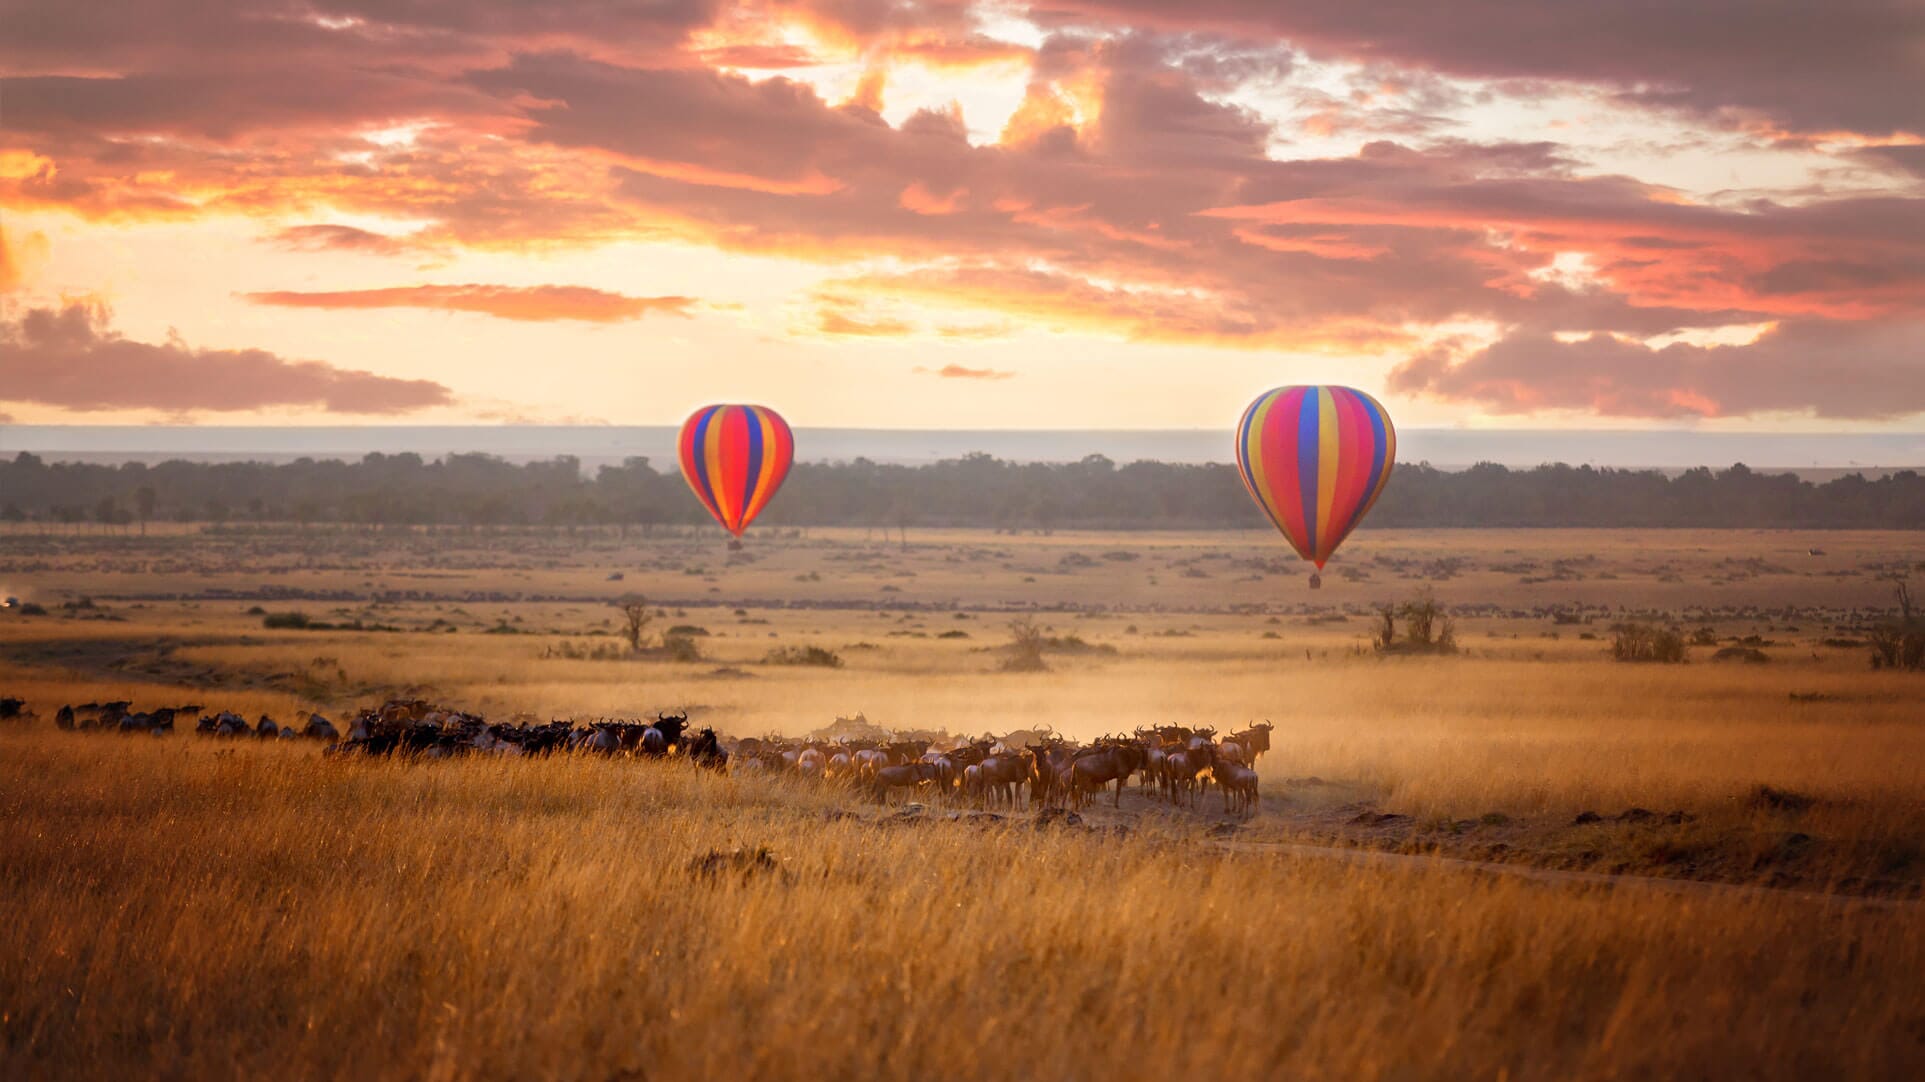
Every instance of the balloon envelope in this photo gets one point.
(735, 457)
(1315, 459)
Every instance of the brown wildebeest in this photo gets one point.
(1003, 775)
(907, 775)
(1095, 768)
(1181, 769)
(1239, 784)
(1255, 740)
(1050, 760)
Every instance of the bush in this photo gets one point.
(1428, 629)
(286, 621)
(803, 655)
(1901, 643)
(1643, 642)
(1026, 643)
(685, 648)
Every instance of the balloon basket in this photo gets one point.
(1316, 581)
(735, 544)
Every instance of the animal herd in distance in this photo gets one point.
(1178, 763)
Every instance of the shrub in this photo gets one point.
(286, 621)
(1643, 642)
(685, 648)
(1026, 643)
(1428, 629)
(1901, 643)
(803, 655)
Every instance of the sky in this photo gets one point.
(899, 214)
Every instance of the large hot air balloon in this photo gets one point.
(735, 457)
(1315, 459)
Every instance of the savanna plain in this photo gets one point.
(1514, 858)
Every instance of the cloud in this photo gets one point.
(956, 371)
(9, 266)
(527, 303)
(324, 237)
(1808, 67)
(838, 322)
(1130, 195)
(70, 358)
(1853, 371)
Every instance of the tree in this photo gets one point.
(144, 501)
(635, 621)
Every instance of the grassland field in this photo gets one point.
(186, 907)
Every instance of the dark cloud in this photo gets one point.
(1851, 371)
(70, 358)
(1851, 65)
(526, 303)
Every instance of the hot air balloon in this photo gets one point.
(1315, 459)
(735, 457)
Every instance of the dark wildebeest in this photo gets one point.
(320, 728)
(1095, 768)
(64, 718)
(266, 729)
(12, 708)
(907, 775)
(1001, 776)
(1051, 760)
(705, 750)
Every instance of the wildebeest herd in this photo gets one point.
(1040, 771)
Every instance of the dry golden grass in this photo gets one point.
(193, 911)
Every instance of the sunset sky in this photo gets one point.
(1076, 213)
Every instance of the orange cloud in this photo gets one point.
(919, 199)
(832, 321)
(956, 371)
(527, 303)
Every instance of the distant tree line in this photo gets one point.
(976, 490)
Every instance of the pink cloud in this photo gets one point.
(71, 358)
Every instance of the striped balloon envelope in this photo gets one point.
(1315, 459)
(735, 457)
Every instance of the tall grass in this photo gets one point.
(192, 911)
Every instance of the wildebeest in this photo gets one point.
(1239, 785)
(320, 728)
(1255, 740)
(904, 776)
(266, 729)
(12, 709)
(705, 750)
(1094, 768)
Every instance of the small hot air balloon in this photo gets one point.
(1315, 459)
(735, 457)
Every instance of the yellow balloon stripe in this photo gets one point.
(1328, 454)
